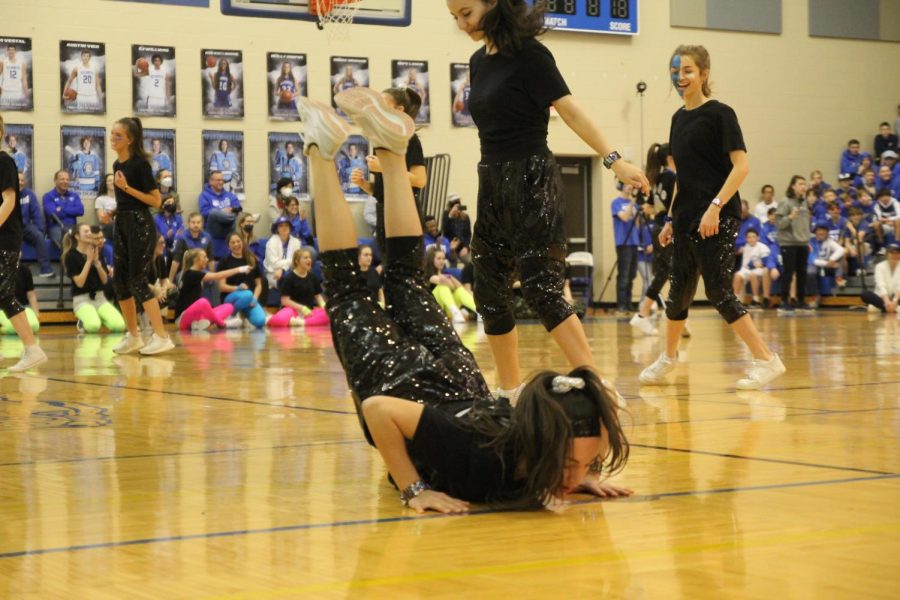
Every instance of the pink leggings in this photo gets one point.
(283, 317)
(202, 309)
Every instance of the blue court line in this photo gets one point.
(383, 520)
(813, 412)
(761, 459)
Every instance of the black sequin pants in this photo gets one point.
(134, 239)
(9, 267)
(520, 224)
(408, 350)
(662, 268)
(713, 259)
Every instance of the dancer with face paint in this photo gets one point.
(421, 398)
(521, 208)
(711, 163)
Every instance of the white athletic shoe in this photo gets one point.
(200, 325)
(657, 372)
(322, 128)
(32, 356)
(385, 127)
(643, 325)
(157, 345)
(129, 344)
(297, 322)
(762, 372)
(235, 322)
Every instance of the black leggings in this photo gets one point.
(713, 259)
(662, 268)
(408, 350)
(133, 244)
(794, 259)
(873, 299)
(9, 268)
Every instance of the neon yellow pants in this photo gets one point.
(6, 326)
(448, 300)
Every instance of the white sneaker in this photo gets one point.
(32, 356)
(129, 344)
(157, 345)
(762, 372)
(643, 325)
(657, 372)
(200, 325)
(384, 126)
(322, 127)
(234, 323)
(297, 322)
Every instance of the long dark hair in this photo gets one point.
(135, 130)
(432, 251)
(510, 22)
(790, 189)
(538, 433)
(657, 158)
(407, 99)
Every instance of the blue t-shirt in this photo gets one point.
(625, 234)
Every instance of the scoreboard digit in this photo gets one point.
(618, 17)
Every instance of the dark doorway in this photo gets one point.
(576, 177)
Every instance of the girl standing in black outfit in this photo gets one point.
(134, 238)
(711, 163)
(421, 399)
(521, 209)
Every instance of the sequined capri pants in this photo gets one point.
(713, 259)
(662, 268)
(9, 266)
(521, 216)
(134, 239)
(407, 350)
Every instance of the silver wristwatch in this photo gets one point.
(413, 490)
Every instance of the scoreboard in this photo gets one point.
(619, 17)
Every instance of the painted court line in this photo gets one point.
(336, 524)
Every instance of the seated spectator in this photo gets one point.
(885, 180)
(301, 295)
(748, 222)
(852, 157)
(816, 207)
(169, 223)
(834, 222)
(83, 264)
(33, 227)
(824, 264)
(887, 217)
(246, 226)
(192, 311)
(300, 228)
(845, 185)
(105, 205)
(865, 202)
(449, 292)
(160, 285)
(769, 237)
(433, 235)
(194, 238)
(284, 189)
(753, 268)
(889, 160)
(457, 227)
(242, 290)
(370, 274)
(817, 183)
(846, 203)
(61, 207)
(219, 207)
(884, 141)
(886, 296)
(765, 204)
(27, 297)
(106, 253)
(867, 182)
(279, 250)
(853, 239)
(864, 165)
(166, 184)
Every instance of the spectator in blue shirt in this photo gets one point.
(33, 227)
(218, 206)
(816, 207)
(61, 205)
(433, 235)
(300, 226)
(886, 180)
(818, 184)
(833, 222)
(854, 240)
(851, 159)
(169, 224)
(748, 222)
(627, 235)
(889, 159)
(885, 140)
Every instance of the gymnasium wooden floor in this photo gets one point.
(234, 467)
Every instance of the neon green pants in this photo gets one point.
(6, 326)
(97, 313)
(448, 300)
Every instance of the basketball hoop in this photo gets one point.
(336, 14)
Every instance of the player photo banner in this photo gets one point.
(153, 80)
(346, 73)
(459, 95)
(82, 68)
(413, 74)
(83, 157)
(19, 143)
(287, 80)
(223, 83)
(351, 156)
(160, 145)
(15, 74)
(286, 160)
(223, 151)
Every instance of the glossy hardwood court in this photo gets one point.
(234, 467)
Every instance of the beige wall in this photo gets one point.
(798, 98)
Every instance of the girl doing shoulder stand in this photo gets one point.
(711, 163)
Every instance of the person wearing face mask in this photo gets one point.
(169, 223)
(284, 189)
(166, 183)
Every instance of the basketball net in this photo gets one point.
(335, 16)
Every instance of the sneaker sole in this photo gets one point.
(17, 369)
(128, 350)
(166, 348)
(387, 128)
(321, 118)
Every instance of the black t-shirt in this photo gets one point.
(230, 262)
(415, 157)
(302, 290)
(75, 262)
(510, 100)
(24, 284)
(452, 459)
(700, 140)
(468, 274)
(191, 290)
(140, 177)
(373, 282)
(160, 268)
(11, 230)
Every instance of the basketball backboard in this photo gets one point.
(393, 13)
